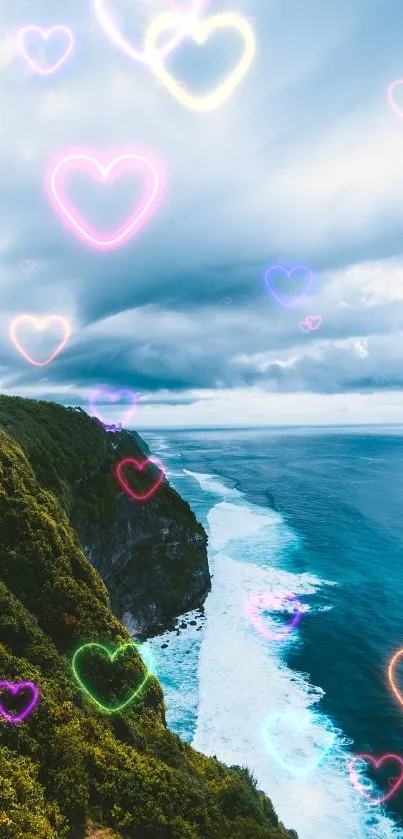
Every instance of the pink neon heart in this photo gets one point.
(313, 321)
(45, 34)
(391, 91)
(270, 601)
(376, 763)
(129, 461)
(39, 324)
(304, 326)
(88, 160)
(113, 396)
(15, 689)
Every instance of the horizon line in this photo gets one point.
(251, 427)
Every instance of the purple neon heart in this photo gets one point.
(113, 396)
(265, 600)
(272, 289)
(16, 689)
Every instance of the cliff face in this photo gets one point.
(71, 770)
(152, 555)
(154, 567)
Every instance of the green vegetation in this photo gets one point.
(70, 770)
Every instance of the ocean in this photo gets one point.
(316, 513)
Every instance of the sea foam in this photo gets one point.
(223, 682)
(243, 679)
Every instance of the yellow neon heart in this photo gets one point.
(200, 32)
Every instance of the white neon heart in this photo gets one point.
(109, 25)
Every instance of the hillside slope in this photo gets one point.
(153, 556)
(71, 770)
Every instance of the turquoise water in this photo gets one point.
(316, 513)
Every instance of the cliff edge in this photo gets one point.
(81, 765)
(152, 556)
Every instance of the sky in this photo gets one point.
(301, 165)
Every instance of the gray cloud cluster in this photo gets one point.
(302, 165)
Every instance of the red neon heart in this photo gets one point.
(377, 763)
(132, 462)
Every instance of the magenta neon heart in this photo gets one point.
(376, 763)
(19, 686)
(113, 396)
(130, 461)
(272, 288)
(391, 92)
(270, 601)
(120, 162)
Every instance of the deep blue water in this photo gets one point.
(318, 511)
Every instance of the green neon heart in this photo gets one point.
(111, 657)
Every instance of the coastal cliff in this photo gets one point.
(73, 769)
(152, 556)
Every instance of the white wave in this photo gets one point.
(175, 660)
(243, 680)
(210, 483)
(243, 522)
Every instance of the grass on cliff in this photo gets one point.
(69, 765)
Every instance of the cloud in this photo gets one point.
(302, 165)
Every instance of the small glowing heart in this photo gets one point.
(298, 722)
(395, 660)
(110, 709)
(200, 32)
(39, 323)
(394, 783)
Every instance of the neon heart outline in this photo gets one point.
(310, 319)
(109, 26)
(398, 111)
(28, 265)
(281, 268)
(45, 33)
(302, 324)
(305, 717)
(377, 763)
(269, 600)
(126, 415)
(16, 688)
(140, 465)
(200, 33)
(132, 697)
(391, 668)
(14, 339)
(87, 156)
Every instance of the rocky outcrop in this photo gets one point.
(152, 556)
(154, 566)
